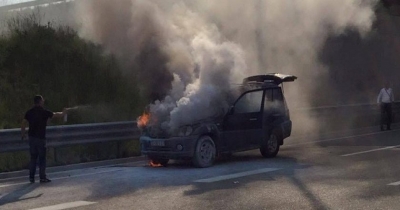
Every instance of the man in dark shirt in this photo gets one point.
(37, 118)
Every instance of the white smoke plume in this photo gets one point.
(187, 53)
(287, 36)
(218, 65)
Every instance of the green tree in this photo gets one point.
(66, 69)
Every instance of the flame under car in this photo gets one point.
(258, 119)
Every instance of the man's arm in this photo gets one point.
(23, 128)
(60, 114)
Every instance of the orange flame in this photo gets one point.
(154, 164)
(143, 120)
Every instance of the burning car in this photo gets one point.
(258, 119)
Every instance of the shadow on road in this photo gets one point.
(289, 171)
(182, 173)
(329, 171)
(313, 198)
(156, 178)
(18, 194)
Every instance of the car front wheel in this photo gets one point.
(271, 147)
(205, 152)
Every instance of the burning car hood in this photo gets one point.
(157, 132)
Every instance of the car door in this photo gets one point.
(244, 120)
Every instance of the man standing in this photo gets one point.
(37, 118)
(385, 100)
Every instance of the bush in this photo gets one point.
(66, 69)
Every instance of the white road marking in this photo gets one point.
(66, 205)
(66, 177)
(394, 184)
(237, 175)
(340, 138)
(368, 151)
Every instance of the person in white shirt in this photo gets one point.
(385, 100)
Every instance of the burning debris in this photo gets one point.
(154, 164)
(158, 163)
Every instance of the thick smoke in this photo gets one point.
(186, 54)
(176, 53)
(218, 66)
(287, 36)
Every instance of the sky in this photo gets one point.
(9, 2)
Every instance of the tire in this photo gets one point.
(205, 152)
(271, 147)
(161, 161)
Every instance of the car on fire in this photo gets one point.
(258, 119)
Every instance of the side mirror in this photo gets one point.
(231, 110)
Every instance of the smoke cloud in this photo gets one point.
(187, 54)
(287, 36)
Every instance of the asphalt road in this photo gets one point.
(356, 169)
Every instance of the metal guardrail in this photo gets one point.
(349, 110)
(343, 117)
(58, 136)
(396, 104)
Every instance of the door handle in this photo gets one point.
(253, 119)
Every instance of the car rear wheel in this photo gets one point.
(271, 148)
(205, 152)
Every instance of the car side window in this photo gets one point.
(249, 103)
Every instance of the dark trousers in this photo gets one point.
(37, 150)
(386, 114)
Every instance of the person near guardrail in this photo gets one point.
(385, 100)
(37, 118)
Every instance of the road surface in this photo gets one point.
(356, 169)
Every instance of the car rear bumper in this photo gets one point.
(168, 148)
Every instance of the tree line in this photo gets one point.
(67, 70)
